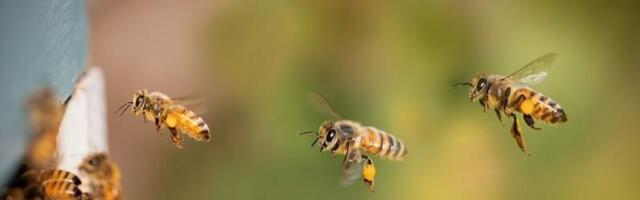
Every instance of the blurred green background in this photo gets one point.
(387, 64)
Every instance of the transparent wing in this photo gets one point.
(534, 72)
(193, 103)
(189, 100)
(533, 78)
(351, 167)
(322, 105)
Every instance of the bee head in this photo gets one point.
(136, 105)
(478, 87)
(139, 101)
(94, 164)
(327, 136)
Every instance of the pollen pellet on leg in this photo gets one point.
(368, 172)
(526, 106)
(171, 121)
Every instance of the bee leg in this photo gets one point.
(158, 124)
(529, 120)
(499, 115)
(175, 137)
(348, 152)
(517, 102)
(368, 173)
(516, 133)
(484, 105)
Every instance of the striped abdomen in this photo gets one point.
(59, 184)
(539, 106)
(188, 122)
(377, 142)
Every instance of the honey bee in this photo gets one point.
(164, 111)
(60, 184)
(52, 184)
(103, 177)
(358, 143)
(36, 177)
(510, 94)
(44, 116)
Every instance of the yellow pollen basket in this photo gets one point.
(526, 106)
(171, 120)
(368, 172)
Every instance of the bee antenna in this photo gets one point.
(307, 132)
(314, 142)
(461, 84)
(124, 107)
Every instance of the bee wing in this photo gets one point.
(188, 100)
(533, 78)
(351, 167)
(322, 105)
(195, 103)
(533, 72)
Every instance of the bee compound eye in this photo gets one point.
(94, 162)
(331, 134)
(482, 83)
(138, 101)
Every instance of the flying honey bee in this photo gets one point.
(358, 143)
(103, 176)
(164, 111)
(510, 94)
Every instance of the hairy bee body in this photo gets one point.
(176, 116)
(506, 97)
(186, 121)
(358, 143)
(60, 184)
(369, 140)
(510, 95)
(537, 105)
(164, 111)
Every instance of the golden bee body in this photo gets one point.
(164, 111)
(369, 140)
(503, 95)
(358, 143)
(510, 94)
(60, 185)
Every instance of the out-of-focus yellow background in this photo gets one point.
(388, 64)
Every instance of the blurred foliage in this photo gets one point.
(389, 64)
